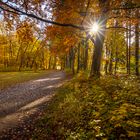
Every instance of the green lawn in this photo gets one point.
(11, 78)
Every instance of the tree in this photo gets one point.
(137, 46)
(75, 14)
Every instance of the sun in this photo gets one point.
(94, 28)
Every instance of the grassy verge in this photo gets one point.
(93, 109)
(11, 78)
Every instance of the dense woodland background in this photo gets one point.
(30, 40)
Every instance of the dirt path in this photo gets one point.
(19, 102)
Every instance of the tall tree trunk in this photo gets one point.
(83, 55)
(106, 67)
(10, 53)
(50, 59)
(54, 63)
(116, 59)
(127, 54)
(99, 40)
(111, 62)
(4, 56)
(107, 61)
(129, 51)
(43, 60)
(137, 47)
(116, 50)
(86, 56)
(73, 60)
(67, 61)
(97, 54)
(21, 59)
(78, 58)
(70, 59)
(21, 63)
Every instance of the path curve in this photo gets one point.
(22, 100)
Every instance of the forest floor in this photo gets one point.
(93, 109)
(26, 100)
(82, 108)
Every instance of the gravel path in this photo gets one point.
(19, 102)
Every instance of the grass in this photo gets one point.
(11, 78)
(87, 109)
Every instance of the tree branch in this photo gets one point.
(9, 11)
(17, 11)
(125, 8)
(120, 27)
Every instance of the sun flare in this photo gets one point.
(94, 28)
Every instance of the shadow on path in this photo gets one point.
(22, 100)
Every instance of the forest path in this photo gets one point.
(19, 102)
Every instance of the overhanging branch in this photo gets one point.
(17, 11)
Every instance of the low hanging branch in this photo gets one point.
(19, 12)
(14, 10)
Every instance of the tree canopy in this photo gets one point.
(63, 25)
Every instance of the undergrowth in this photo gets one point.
(88, 109)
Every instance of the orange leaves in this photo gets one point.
(71, 41)
(61, 39)
(25, 32)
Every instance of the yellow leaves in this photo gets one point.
(119, 114)
(134, 123)
(96, 114)
(132, 134)
(61, 38)
(122, 113)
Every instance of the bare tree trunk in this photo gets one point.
(129, 51)
(50, 59)
(106, 67)
(78, 58)
(67, 61)
(137, 47)
(107, 61)
(116, 50)
(4, 56)
(10, 53)
(21, 59)
(82, 55)
(54, 63)
(86, 57)
(111, 62)
(116, 59)
(127, 54)
(70, 59)
(73, 60)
